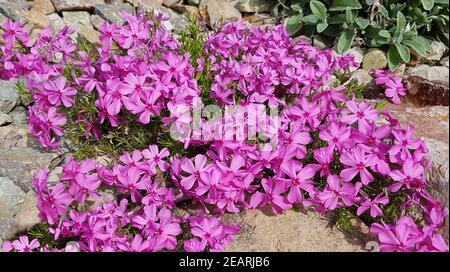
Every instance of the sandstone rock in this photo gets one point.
(20, 164)
(358, 54)
(11, 198)
(259, 19)
(97, 21)
(290, 231)
(444, 62)
(71, 5)
(374, 59)
(169, 3)
(43, 6)
(216, 10)
(19, 116)
(190, 10)
(427, 85)
(56, 22)
(422, 92)
(4, 119)
(193, 2)
(8, 228)
(436, 51)
(81, 22)
(147, 4)
(432, 124)
(252, 6)
(28, 215)
(362, 77)
(37, 19)
(111, 13)
(436, 74)
(9, 97)
(14, 136)
(176, 23)
(3, 19)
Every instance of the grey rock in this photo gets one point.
(169, 3)
(9, 97)
(292, 231)
(437, 50)
(71, 5)
(374, 59)
(97, 21)
(176, 22)
(217, 10)
(19, 116)
(358, 55)
(8, 228)
(36, 19)
(14, 10)
(4, 119)
(444, 62)
(28, 216)
(14, 136)
(361, 77)
(146, 4)
(252, 6)
(11, 198)
(437, 74)
(81, 22)
(56, 22)
(194, 2)
(20, 164)
(111, 13)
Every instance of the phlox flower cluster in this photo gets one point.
(325, 150)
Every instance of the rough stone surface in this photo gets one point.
(56, 22)
(292, 231)
(81, 22)
(19, 116)
(147, 4)
(431, 124)
(9, 96)
(14, 10)
(436, 74)
(97, 21)
(64, 5)
(36, 19)
(13, 136)
(4, 119)
(43, 6)
(362, 77)
(169, 3)
(176, 23)
(111, 13)
(436, 51)
(20, 164)
(374, 59)
(217, 9)
(8, 228)
(358, 55)
(254, 5)
(11, 198)
(427, 85)
(192, 11)
(28, 215)
(444, 62)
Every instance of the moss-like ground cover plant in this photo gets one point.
(237, 119)
(399, 27)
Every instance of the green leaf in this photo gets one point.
(403, 52)
(337, 19)
(321, 27)
(393, 58)
(293, 24)
(349, 17)
(401, 22)
(385, 34)
(340, 5)
(419, 44)
(345, 41)
(318, 9)
(296, 8)
(362, 22)
(310, 20)
(427, 4)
